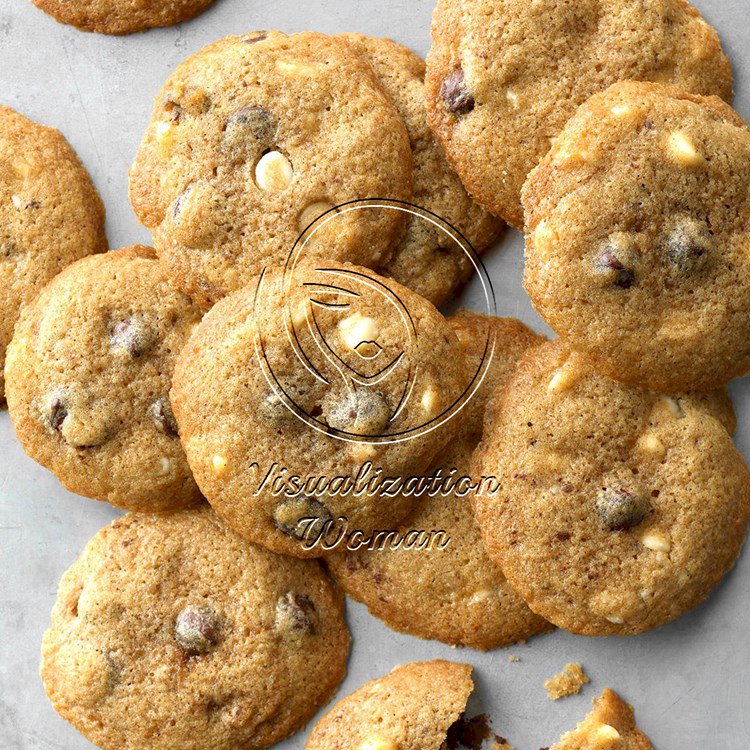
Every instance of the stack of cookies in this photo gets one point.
(311, 200)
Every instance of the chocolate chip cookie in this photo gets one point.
(426, 259)
(172, 631)
(616, 509)
(250, 141)
(296, 392)
(88, 376)
(638, 229)
(50, 214)
(121, 16)
(609, 726)
(503, 78)
(445, 587)
(411, 708)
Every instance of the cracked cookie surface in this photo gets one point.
(637, 234)
(502, 78)
(253, 138)
(89, 371)
(50, 215)
(618, 509)
(171, 631)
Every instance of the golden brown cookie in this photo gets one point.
(171, 631)
(121, 16)
(296, 396)
(51, 214)
(449, 589)
(637, 236)
(88, 377)
(609, 726)
(411, 708)
(252, 139)
(502, 78)
(426, 259)
(616, 509)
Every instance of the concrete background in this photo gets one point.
(689, 681)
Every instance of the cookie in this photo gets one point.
(609, 726)
(121, 16)
(297, 395)
(445, 587)
(616, 510)
(411, 708)
(172, 631)
(88, 377)
(503, 78)
(637, 237)
(50, 214)
(426, 259)
(252, 139)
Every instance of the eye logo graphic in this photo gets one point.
(347, 331)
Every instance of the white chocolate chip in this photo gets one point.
(165, 465)
(357, 328)
(615, 619)
(17, 202)
(621, 110)
(543, 237)
(564, 378)
(512, 98)
(682, 150)
(675, 406)
(219, 464)
(480, 596)
(295, 67)
(376, 742)
(652, 446)
(362, 452)
(656, 541)
(310, 213)
(429, 399)
(607, 732)
(273, 173)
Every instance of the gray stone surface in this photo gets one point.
(689, 681)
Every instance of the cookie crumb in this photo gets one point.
(568, 682)
(513, 658)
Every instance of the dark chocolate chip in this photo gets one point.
(455, 93)
(161, 412)
(254, 37)
(196, 629)
(8, 248)
(620, 509)
(291, 517)
(249, 126)
(295, 613)
(58, 411)
(616, 263)
(179, 201)
(133, 335)
(688, 245)
(468, 733)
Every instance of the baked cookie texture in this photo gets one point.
(172, 631)
(321, 375)
(426, 259)
(252, 139)
(121, 16)
(50, 215)
(617, 509)
(638, 224)
(503, 78)
(411, 708)
(452, 591)
(609, 726)
(88, 377)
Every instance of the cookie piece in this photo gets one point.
(50, 215)
(252, 139)
(568, 682)
(503, 78)
(411, 708)
(426, 259)
(331, 375)
(88, 377)
(637, 237)
(121, 16)
(609, 726)
(172, 631)
(617, 509)
(449, 589)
